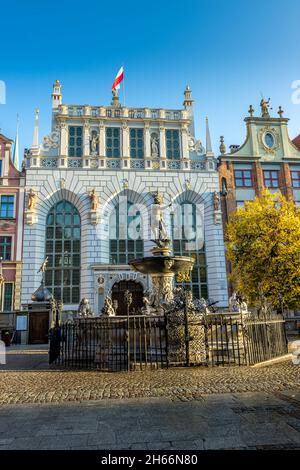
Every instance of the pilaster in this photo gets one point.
(125, 140)
(63, 139)
(162, 142)
(86, 139)
(147, 141)
(102, 138)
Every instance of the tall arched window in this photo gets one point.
(62, 275)
(188, 240)
(126, 237)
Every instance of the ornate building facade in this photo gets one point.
(12, 192)
(267, 158)
(90, 187)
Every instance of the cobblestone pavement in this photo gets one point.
(227, 421)
(176, 409)
(41, 385)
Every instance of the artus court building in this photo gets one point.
(93, 177)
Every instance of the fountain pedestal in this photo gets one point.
(162, 268)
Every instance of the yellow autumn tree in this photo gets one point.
(263, 246)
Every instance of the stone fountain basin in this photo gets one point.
(162, 264)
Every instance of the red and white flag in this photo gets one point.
(118, 79)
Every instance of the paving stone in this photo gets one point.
(182, 384)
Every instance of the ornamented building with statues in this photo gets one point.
(90, 190)
(267, 159)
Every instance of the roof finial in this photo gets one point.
(222, 145)
(16, 147)
(251, 110)
(280, 111)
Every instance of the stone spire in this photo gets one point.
(35, 143)
(56, 95)
(16, 147)
(188, 101)
(209, 152)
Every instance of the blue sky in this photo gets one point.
(227, 51)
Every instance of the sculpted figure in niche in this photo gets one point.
(154, 146)
(94, 142)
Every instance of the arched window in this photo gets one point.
(188, 240)
(62, 276)
(126, 237)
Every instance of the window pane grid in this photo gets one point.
(136, 143)
(172, 144)
(181, 247)
(75, 141)
(243, 178)
(7, 207)
(5, 248)
(271, 178)
(295, 179)
(113, 142)
(8, 296)
(62, 276)
(124, 250)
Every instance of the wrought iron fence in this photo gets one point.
(180, 339)
(110, 343)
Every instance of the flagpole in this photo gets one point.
(123, 89)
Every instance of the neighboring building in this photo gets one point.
(267, 158)
(296, 141)
(76, 181)
(12, 190)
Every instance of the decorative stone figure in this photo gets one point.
(94, 200)
(216, 201)
(237, 303)
(43, 266)
(31, 199)
(148, 302)
(265, 105)
(108, 308)
(84, 309)
(233, 303)
(94, 140)
(154, 146)
(158, 224)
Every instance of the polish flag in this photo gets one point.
(118, 79)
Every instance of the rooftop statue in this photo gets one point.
(265, 105)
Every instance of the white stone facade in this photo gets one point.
(54, 176)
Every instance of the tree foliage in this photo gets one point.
(263, 246)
